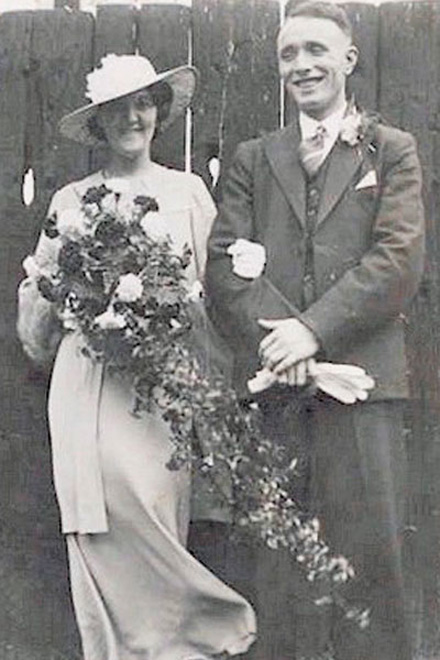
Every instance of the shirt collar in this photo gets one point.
(332, 123)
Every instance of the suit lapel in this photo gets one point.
(343, 165)
(282, 153)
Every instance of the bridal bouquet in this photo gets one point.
(123, 287)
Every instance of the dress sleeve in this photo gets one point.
(37, 325)
(202, 217)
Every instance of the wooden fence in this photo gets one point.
(43, 59)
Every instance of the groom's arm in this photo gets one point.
(236, 304)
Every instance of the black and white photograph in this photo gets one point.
(220, 330)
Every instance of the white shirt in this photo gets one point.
(332, 125)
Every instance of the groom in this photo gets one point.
(331, 215)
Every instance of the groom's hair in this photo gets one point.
(317, 9)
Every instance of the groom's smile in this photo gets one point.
(315, 56)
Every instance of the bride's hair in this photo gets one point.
(162, 96)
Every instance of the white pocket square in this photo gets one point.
(367, 181)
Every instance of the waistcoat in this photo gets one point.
(314, 188)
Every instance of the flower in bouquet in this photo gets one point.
(153, 225)
(130, 288)
(92, 200)
(117, 200)
(123, 285)
(70, 258)
(72, 224)
(110, 320)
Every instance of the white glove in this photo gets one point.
(248, 258)
(344, 382)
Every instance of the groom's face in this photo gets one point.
(315, 56)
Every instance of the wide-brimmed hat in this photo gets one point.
(119, 75)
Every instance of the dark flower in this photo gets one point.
(47, 289)
(50, 226)
(97, 251)
(109, 231)
(131, 263)
(146, 204)
(69, 258)
(95, 194)
(97, 279)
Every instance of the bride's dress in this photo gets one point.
(138, 593)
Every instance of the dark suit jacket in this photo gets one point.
(368, 251)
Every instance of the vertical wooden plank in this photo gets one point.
(37, 611)
(163, 37)
(61, 57)
(115, 30)
(234, 50)
(409, 97)
(15, 35)
(363, 83)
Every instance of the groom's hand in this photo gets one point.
(288, 343)
(298, 375)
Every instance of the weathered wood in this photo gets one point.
(71, 4)
(61, 56)
(33, 75)
(409, 96)
(43, 60)
(234, 50)
(15, 64)
(363, 83)
(163, 37)
(115, 30)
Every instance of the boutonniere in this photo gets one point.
(355, 125)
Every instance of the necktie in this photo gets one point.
(311, 150)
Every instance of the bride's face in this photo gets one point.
(129, 123)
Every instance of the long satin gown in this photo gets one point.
(137, 592)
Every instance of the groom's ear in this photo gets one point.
(351, 57)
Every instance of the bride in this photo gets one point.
(137, 591)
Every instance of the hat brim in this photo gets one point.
(182, 80)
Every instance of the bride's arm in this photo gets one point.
(202, 218)
(37, 325)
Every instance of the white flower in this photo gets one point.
(110, 320)
(195, 292)
(130, 288)
(126, 208)
(248, 258)
(117, 184)
(68, 319)
(153, 225)
(31, 268)
(352, 128)
(109, 204)
(73, 223)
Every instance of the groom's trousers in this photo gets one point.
(353, 475)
